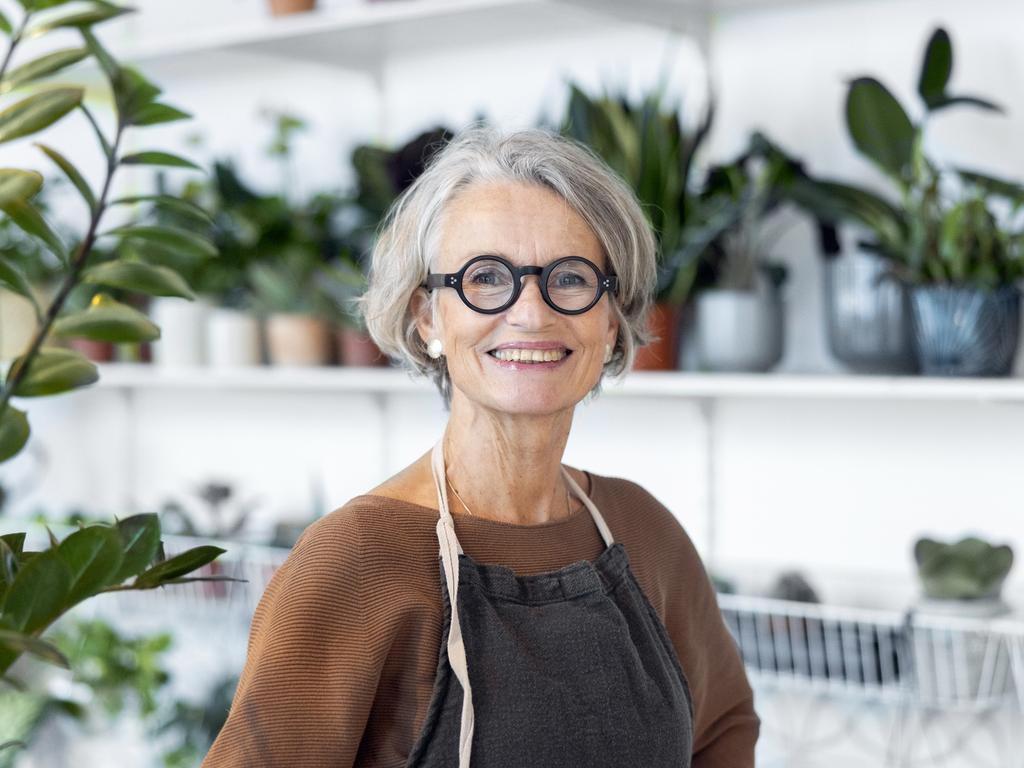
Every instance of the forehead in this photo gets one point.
(525, 223)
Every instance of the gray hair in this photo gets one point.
(409, 235)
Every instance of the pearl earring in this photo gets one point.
(607, 353)
(434, 348)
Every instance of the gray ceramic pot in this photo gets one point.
(868, 317)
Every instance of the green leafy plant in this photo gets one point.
(758, 181)
(40, 370)
(646, 144)
(37, 587)
(969, 569)
(928, 234)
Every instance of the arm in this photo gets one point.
(311, 671)
(726, 727)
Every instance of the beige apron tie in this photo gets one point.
(450, 549)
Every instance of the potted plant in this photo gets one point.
(341, 282)
(382, 174)
(960, 579)
(949, 255)
(288, 7)
(965, 577)
(646, 144)
(740, 315)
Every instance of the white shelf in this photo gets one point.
(671, 384)
(361, 34)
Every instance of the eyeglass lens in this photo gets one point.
(488, 284)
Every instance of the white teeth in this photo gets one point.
(530, 355)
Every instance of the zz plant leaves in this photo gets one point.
(38, 587)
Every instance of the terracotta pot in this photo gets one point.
(97, 351)
(297, 339)
(662, 354)
(357, 348)
(286, 7)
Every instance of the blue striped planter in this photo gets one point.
(962, 331)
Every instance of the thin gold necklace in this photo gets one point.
(568, 502)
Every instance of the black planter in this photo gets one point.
(964, 331)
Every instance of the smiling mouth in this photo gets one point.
(530, 355)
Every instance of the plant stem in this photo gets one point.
(70, 280)
(15, 39)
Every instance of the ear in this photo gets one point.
(419, 305)
(613, 330)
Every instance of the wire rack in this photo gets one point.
(946, 662)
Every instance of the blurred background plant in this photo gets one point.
(114, 677)
(646, 144)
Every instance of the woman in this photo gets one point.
(516, 271)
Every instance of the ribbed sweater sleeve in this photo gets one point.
(313, 660)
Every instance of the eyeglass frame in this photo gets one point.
(605, 283)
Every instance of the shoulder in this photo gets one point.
(632, 506)
(661, 551)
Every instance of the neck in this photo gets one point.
(507, 467)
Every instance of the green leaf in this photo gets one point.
(16, 541)
(42, 67)
(879, 127)
(37, 111)
(94, 557)
(936, 68)
(16, 184)
(14, 432)
(107, 62)
(133, 93)
(174, 238)
(38, 594)
(158, 158)
(178, 566)
(14, 279)
(8, 566)
(156, 113)
(176, 204)
(21, 643)
(107, 319)
(54, 370)
(974, 101)
(140, 541)
(25, 215)
(79, 17)
(1011, 190)
(74, 176)
(138, 276)
(5, 26)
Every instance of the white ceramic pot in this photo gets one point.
(182, 324)
(954, 661)
(739, 330)
(232, 338)
(297, 339)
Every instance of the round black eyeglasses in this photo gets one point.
(491, 284)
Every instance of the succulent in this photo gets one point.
(970, 569)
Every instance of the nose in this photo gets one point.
(530, 309)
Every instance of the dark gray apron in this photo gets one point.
(564, 668)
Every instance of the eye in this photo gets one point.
(486, 277)
(570, 279)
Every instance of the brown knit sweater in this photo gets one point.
(344, 644)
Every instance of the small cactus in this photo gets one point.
(970, 569)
